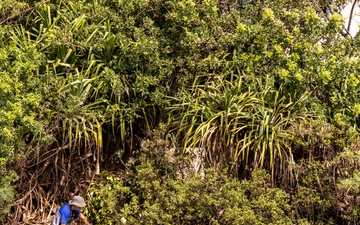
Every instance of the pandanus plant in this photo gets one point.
(238, 125)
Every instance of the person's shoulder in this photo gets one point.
(65, 209)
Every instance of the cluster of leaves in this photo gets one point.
(6, 191)
(193, 200)
(284, 66)
(20, 97)
(272, 86)
(241, 124)
(154, 192)
(160, 187)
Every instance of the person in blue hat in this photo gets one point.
(70, 211)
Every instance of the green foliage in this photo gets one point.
(314, 197)
(329, 188)
(106, 198)
(149, 194)
(6, 190)
(20, 97)
(271, 86)
(10, 9)
(238, 124)
(347, 164)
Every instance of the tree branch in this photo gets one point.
(351, 15)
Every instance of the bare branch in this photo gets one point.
(351, 15)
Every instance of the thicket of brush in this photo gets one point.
(271, 92)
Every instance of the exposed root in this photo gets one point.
(46, 181)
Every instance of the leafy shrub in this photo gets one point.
(327, 191)
(6, 190)
(147, 198)
(154, 192)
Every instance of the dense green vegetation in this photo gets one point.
(108, 98)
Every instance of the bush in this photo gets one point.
(154, 192)
(147, 198)
(6, 190)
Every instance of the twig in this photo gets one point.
(55, 150)
(20, 13)
(351, 15)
